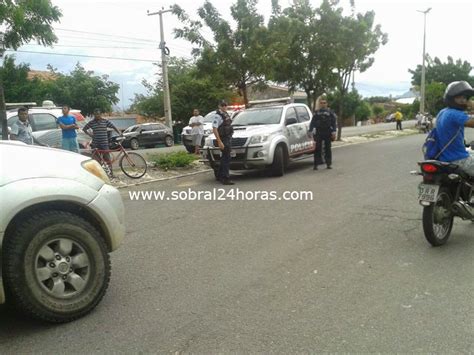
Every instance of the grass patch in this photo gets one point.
(173, 160)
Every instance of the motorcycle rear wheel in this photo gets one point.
(438, 219)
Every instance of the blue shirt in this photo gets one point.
(448, 123)
(68, 120)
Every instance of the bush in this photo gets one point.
(173, 160)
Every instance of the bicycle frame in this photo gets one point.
(97, 154)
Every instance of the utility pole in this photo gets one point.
(164, 64)
(422, 102)
(3, 109)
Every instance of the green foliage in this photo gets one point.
(350, 102)
(83, 90)
(173, 160)
(363, 111)
(189, 89)
(434, 92)
(79, 89)
(238, 57)
(28, 20)
(437, 71)
(377, 110)
(300, 54)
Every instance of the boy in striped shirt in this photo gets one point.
(100, 137)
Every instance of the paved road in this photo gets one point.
(349, 271)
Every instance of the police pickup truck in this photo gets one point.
(265, 137)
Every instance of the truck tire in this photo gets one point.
(56, 266)
(169, 141)
(278, 166)
(134, 144)
(189, 148)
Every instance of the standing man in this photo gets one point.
(21, 130)
(324, 121)
(100, 137)
(68, 125)
(196, 123)
(222, 128)
(398, 118)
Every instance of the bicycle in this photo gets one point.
(132, 164)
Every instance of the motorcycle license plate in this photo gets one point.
(428, 193)
(233, 153)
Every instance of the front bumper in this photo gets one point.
(248, 157)
(108, 206)
(187, 139)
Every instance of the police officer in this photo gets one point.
(222, 129)
(324, 121)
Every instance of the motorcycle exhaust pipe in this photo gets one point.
(463, 210)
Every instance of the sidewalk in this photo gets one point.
(157, 174)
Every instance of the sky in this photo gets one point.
(122, 29)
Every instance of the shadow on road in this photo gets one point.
(13, 322)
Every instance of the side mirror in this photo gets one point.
(291, 120)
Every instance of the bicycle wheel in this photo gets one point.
(133, 165)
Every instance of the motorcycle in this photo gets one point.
(445, 193)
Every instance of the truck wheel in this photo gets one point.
(169, 141)
(189, 148)
(56, 267)
(134, 144)
(278, 166)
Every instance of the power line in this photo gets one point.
(86, 56)
(103, 40)
(90, 46)
(106, 35)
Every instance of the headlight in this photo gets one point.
(94, 168)
(259, 138)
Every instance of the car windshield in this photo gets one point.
(269, 115)
(131, 129)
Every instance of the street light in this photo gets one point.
(422, 103)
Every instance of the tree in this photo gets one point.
(355, 40)
(298, 49)
(363, 111)
(25, 21)
(189, 90)
(238, 56)
(84, 90)
(434, 92)
(437, 71)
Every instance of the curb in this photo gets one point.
(343, 144)
(163, 179)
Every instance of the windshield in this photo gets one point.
(131, 129)
(270, 115)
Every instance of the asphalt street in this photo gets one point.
(349, 271)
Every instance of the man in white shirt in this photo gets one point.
(196, 123)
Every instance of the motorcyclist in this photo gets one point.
(450, 125)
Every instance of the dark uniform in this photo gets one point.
(324, 120)
(225, 130)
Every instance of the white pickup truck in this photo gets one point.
(60, 218)
(265, 137)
